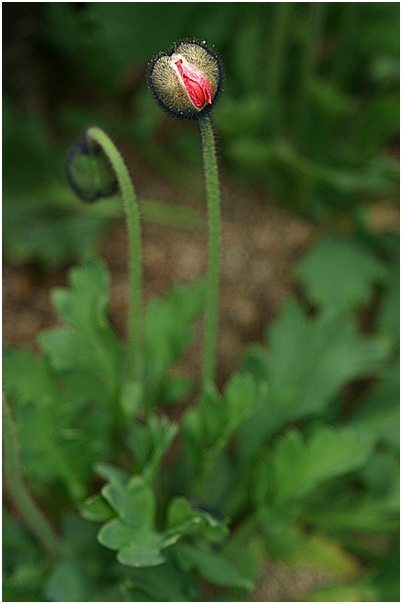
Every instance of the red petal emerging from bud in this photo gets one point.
(197, 87)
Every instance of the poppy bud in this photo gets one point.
(89, 172)
(187, 81)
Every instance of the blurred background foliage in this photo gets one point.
(309, 119)
(310, 114)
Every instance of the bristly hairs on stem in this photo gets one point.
(186, 82)
(212, 294)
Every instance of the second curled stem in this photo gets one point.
(134, 242)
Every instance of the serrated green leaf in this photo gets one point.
(87, 297)
(116, 534)
(168, 330)
(193, 433)
(298, 467)
(136, 546)
(53, 446)
(363, 512)
(44, 455)
(96, 509)
(39, 383)
(339, 274)
(246, 549)
(133, 533)
(134, 502)
(86, 353)
(149, 443)
(111, 473)
(307, 363)
(209, 427)
(379, 409)
(213, 567)
(145, 551)
(183, 519)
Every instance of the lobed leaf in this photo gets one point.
(168, 330)
(144, 550)
(298, 467)
(363, 512)
(86, 353)
(379, 409)
(129, 508)
(149, 443)
(50, 449)
(183, 519)
(134, 502)
(340, 274)
(213, 567)
(209, 427)
(96, 509)
(307, 363)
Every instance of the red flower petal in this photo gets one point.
(197, 87)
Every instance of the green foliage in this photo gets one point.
(281, 463)
(43, 219)
(310, 114)
(340, 274)
(168, 330)
(132, 532)
(379, 409)
(209, 427)
(66, 406)
(212, 567)
(297, 468)
(86, 349)
(149, 443)
(200, 501)
(307, 363)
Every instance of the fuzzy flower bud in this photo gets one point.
(89, 172)
(187, 81)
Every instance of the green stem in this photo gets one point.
(211, 308)
(134, 242)
(31, 514)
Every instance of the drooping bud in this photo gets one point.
(89, 172)
(187, 81)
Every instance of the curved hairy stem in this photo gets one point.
(134, 238)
